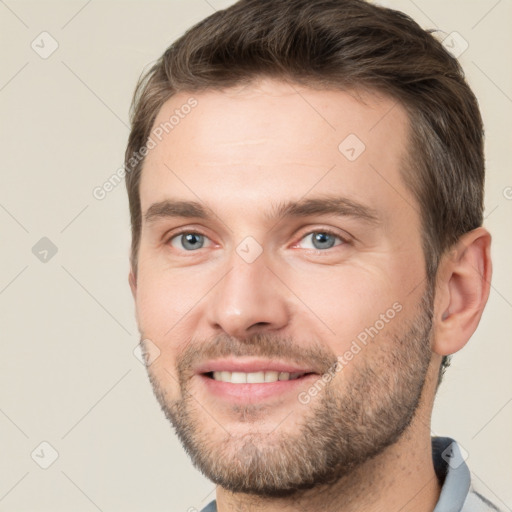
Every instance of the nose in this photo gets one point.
(250, 298)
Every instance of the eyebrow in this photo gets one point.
(324, 205)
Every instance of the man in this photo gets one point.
(306, 184)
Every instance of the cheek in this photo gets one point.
(168, 303)
(344, 301)
(153, 309)
(158, 307)
(158, 315)
(361, 314)
(164, 297)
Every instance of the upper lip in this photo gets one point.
(251, 366)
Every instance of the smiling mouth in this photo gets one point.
(254, 377)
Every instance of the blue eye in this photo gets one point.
(323, 239)
(189, 240)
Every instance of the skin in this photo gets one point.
(238, 151)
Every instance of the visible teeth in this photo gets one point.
(255, 377)
(238, 378)
(271, 376)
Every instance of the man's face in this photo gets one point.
(250, 289)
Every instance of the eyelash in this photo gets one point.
(333, 233)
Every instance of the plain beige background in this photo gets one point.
(68, 373)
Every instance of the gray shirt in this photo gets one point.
(458, 493)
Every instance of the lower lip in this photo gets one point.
(250, 393)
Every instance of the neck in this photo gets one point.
(401, 478)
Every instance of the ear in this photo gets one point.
(132, 279)
(462, 289)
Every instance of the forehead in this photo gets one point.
(241, 146)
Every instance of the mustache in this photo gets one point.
(311, 354)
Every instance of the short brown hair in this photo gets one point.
(336, 44)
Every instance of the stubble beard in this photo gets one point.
(340, 429)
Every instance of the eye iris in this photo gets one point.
(192, 238)
(321, 239)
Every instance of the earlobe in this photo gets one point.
(462, 290)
